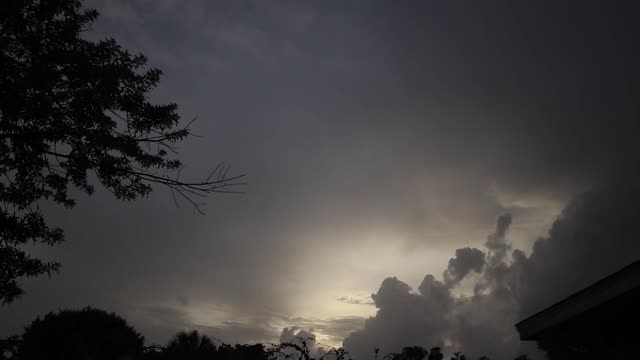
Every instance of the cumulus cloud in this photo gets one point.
(479, 324)
(595, 235)
(328, 332)
(466, 260)
(497, 242)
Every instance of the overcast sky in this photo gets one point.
(378, 137)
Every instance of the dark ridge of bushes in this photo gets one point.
(93, 334)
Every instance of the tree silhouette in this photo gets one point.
(9, 347)
(411, 353)
(195, 346)
(190, 346)
(242, 352)
(70, 107)
(435, 354)
(80, 334)
(458, 356)
(94, 334)
(297, 349)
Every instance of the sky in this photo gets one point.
(468, 163)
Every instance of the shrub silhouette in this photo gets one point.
(93, 334)
(87, 334)
(458, 356)
(436, 354)
(190, 346)
(411, 353)
(242, 352)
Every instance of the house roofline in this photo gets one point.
(605, 289)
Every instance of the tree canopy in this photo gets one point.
(75, 113)
(80, 334)
(190, 345)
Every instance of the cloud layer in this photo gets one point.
(378, 140)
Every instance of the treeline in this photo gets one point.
(93, 334)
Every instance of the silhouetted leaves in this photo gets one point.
(69, 108)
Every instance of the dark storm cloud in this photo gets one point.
(333, 329)
(425, 121)
(465, 261)
(594, 236)
(554, 87)
(497, 242)
(481, 324)
(548, 88)
(404, 318)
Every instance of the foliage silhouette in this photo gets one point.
(458, 356)
(411, 353)
(298, 349)
(9, 347)
(97, 335)
(195, 346)
(190, 346)
(80, 334)
(435, 354)
(242, 352)
(70, 107)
